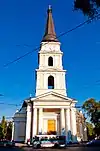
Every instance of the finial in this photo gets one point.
(50, 7)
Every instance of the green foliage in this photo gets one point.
(97, 129)
(88, 7)
(92, 108)
(90, 130)
(0, 131)
(5, 129)
(9, 131)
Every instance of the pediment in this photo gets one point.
(52, 96)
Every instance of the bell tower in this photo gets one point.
(50, 75)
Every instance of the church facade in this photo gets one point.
(51, 111)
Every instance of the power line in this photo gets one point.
(10, 104)
(62, 34)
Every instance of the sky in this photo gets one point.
(22, 24)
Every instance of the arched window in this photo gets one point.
(50, 82)
(50, 61)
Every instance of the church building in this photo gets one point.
(51, 111)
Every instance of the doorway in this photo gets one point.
(51, 125)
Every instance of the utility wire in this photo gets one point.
(9, 104)
(62, 34)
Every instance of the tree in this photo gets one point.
(0, 131)
(88, 7)
(9, 131)
(90, 131)
(3, 128)
(92, 108)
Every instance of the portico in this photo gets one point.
(54, 116)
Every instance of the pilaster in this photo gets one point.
(35, 122)
(73, 124)
(40, 120)
(68, 125)
(13, 129)
(62, 116)
(28, 122)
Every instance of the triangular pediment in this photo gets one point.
(52, 96)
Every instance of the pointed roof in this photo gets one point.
(50, 35)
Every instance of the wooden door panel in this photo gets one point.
(51, 125)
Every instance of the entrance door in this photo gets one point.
(51, 125)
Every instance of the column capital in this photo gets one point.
(73, 109)
(68, 108)
(35, 107)
(62, 108)
(40, 108)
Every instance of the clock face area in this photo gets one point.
(50, 47)
(53, 48)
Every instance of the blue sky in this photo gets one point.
(23, 22)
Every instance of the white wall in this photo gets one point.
(19, 133)
(19, 125)
(51, 49)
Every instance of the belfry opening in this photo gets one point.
(50, 61)
(50, 82)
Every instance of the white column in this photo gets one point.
(58, 125)
(62, 118)
(40, 120)
(34, 122)
(68, 120)
(73, 124)
(13, 131)
(28, 122)
(68, 125)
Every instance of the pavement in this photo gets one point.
(11, 149)
(25, 148)
(66, 149)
